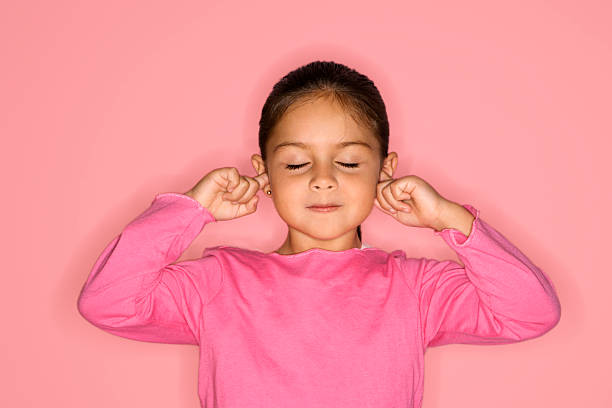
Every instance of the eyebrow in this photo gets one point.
(303, 146)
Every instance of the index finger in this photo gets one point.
(262, 179)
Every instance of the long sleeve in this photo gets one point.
(136, 291)
(499, 297)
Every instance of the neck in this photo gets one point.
(294, 246)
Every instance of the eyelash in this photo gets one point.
(297, 166)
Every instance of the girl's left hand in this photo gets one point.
(417, 203)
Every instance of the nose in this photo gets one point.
(323, 179)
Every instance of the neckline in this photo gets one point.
(308, 251)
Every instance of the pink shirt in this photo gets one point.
(317, 328)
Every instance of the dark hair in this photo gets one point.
(355, 92)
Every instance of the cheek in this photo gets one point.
(365, 196)
(361, 189)
(289, 195)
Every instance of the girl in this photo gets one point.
(325, 320)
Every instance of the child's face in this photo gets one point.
(321, 125)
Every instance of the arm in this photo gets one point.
(135, 291)
(498, 297)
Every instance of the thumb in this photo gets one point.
(233, 178)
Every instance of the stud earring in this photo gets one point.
(269, 192)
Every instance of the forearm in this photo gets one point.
(497, 296)
(130, 265)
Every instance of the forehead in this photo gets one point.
(319, 124)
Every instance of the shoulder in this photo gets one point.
(410, 267)
(396, 258)
(228, 254)
(393, 255)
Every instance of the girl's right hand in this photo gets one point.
(227, 194)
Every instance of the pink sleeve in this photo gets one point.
(499, 297)
(135, 291)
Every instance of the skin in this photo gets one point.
(321, 124)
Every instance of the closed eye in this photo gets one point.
(297, 166)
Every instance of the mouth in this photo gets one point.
(324, 208)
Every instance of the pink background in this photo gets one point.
(505, 107)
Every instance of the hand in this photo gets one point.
(227, 194)
(417, 203)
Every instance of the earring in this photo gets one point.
(269, 192)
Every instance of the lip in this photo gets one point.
(324, 208)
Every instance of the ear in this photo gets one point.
(388, 167)
(260, 168)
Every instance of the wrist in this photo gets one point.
(455, 216)
(194, 196)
